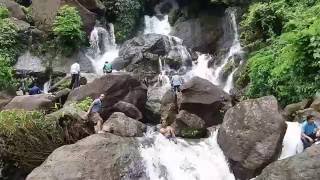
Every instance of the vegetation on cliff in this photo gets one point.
(283, 37)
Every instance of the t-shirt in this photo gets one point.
(96, 105)
(75, 68)
(176, 80)
(308, 128)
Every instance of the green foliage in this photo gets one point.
(8, 40)
(27, 138)
(192, 133)
(84, 104)
(289, 67)
(4, 12)
(125, 15)
(5, 73)
(67, 28)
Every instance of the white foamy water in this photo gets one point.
(229, 82)
(156, 25)
(186, 160)
(46, 87)
(292, 143)
(201, 68)
(103, 47)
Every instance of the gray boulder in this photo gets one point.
(291, 109)
(128, 109)
(251, 135)
(121, 125)
(316, 104)
(117, 87)
(301, 115)
(304, 166)
(32, 102)
(14, 9)
(106, 156)
(202, 98)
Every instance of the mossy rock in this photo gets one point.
(193, 133)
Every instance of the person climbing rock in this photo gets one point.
(169, 133)
(310, 131)
(75, 75)
(94, 113)
(34, 90)
(107, 67)
(176, 82)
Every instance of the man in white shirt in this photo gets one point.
(75, 75)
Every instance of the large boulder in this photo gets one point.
(299, 167)
(301, 115)
(121, 125)
(74, 123)
(14, 9)
(117, 87)
(169, 108)
(153, 106)
(107, 157)
(291, 109)
(27, 63)
(128, 109)
(251, 135)
(5, 98)
(95, 6)
(32, 102)
(198, 34)
(316, 104)
(43, 12)
(202, 98)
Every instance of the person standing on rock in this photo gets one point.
(75, 75)
(310, 132)
(94, 113)
(176, 82)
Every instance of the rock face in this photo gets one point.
(32, 102)
(5, 98)
(140, 55)
(291, 109)
(14, 9)
(121, 125)
(30, 64)
(302, 166)
(74, 123)
(301, 115)
(198, 33)
(316, 104)
(107, 157)
(202, 98)
(251, 135)
(128, 109)
(117, 87)
(44, 12)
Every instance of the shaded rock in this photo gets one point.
(29, 64)
(291, 109)
(169, 108)
(5, 98)
(14, 9)
(153, 106)
(202, 98)
(117, 87)
(301, 166)
(121, 125)
(301, 115)
(106, 156)
(128, 109)
(32, 102)
(316, 104)
(198, 34)
(251, 135)
(74, 123)
(189, 125)
(21, 26)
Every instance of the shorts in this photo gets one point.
(95, 117)
(176, 88)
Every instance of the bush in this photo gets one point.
(67, 28)
(4, 12)
(125, 15)
(6, 79)
(8, 40)
(27, 138)
(84, 104)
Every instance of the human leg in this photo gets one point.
(73, 78)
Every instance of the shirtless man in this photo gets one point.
(169, 133)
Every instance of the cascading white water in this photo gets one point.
(46, 86)
(158, 26)
(201, 68)
(292, 143)
(234, 50)
(186, 160)
(229, 83)
(103, 47)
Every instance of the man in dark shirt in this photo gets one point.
(34, 90)
(94, 113)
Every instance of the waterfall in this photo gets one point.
(229, 82)
(155, 25)
(103, 47)
(186, 160)
(292, 143)
(46, 86)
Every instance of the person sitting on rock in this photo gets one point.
(310, 131)
(169, 133)
(94, 113)
(107, 68)
(176, 82)
(34, 90)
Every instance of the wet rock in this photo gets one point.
(74, 123)
(128, 109)
(106, 156)
(153, 106)
(202, 98)
(117, 87)
(301, 166)
(14, 9)
(122, 125)
(169, 108)
(251, 135)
